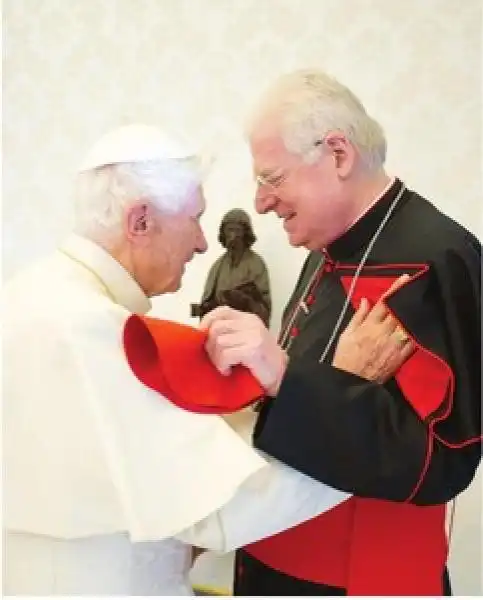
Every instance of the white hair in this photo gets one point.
(103, 194)
(311, 103)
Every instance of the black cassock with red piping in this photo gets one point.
(404, 449)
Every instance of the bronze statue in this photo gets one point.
(239, 278)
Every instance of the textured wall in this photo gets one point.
(75, 68)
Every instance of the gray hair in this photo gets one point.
(103, 194)
(311, 103)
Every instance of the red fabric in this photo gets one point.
(366, 546)
(397, 549)
(423, 370)
(369, 546)
(170, 358)
(317, 550)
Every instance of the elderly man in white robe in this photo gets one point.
(107, 485)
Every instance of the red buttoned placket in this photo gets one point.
(306, 301)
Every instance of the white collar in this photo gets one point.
(119, 284)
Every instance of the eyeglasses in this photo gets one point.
(273, 180)
(278, 177)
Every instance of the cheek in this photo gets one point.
(182, 245)
(289, 196)
(303, 201)
(159, 258)
(302, 192)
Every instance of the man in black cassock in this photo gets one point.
(404, 448)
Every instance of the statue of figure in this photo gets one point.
(239, 278)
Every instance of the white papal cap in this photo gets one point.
(136, 143)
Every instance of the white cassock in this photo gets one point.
(106, 482)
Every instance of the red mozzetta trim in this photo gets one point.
(419, 267)
(423, 371)
(457, 445)
(425, 379)
(410, 374)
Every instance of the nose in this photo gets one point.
(265, 201)
(202, 246)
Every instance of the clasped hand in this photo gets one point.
(240, 338)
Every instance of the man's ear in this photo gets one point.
(138, 222)
(343, 152)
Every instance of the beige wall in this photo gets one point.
(75, 68)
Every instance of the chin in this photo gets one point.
(168, 288)
(310, 242)
(295, 241)
(317, 246)
(174, 287)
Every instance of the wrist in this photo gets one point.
(274, 388)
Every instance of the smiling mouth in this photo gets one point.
(288, 218)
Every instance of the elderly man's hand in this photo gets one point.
(236, 337)
(373, 345)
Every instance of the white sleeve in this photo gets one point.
(270, 501)
(92, 451)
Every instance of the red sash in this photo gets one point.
(366, 546)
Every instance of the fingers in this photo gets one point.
(380, 312)
(226, 313)
(226, 358)
(219, 313)
(407, 350)
(217, 360)
(389, 359)
(226, 325)
(359, 316)
(228, 347)
(374, 345)
(216, 357)
(218, 343)
(389, 324)
(399, 282)
(400, 335)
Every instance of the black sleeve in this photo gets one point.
(359, 437)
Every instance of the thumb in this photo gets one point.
(359, 316)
